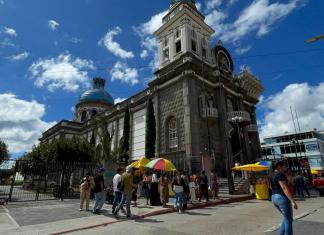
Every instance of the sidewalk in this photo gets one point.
(56, 217)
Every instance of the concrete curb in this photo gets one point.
(161, 212)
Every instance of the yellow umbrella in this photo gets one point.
(140, 163)
(251, 167)
(314, 172)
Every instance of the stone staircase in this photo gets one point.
(241, 187)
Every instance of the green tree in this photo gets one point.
(124, 147)
(150, 130)
(103, 151)
(4, 153)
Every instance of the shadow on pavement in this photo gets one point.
(302, 227)
(196, 213)
(148, 220)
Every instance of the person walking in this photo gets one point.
(154, 192)
(306, 185)
(192, 188)
(300, 185)
(147, 179)
(99, 191)
(252, 181)
(214, 184)
(197, 187)
(186, 189)
(164, 183)
(178, 188)
(117, 189)
(127, 185)
(204, 185)
(282, 198)
(85, 189)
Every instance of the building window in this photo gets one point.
(166, 54)
(204, 53)
(178, 46)
(166, 42)
(193, 46)
(83, 116)
(193, 34)
(178, 33)
(173, 133)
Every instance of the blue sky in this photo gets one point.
(49, 51)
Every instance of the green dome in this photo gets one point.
(97, 93)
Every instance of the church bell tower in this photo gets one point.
(183, 31)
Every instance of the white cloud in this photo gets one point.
(114, 47)
(21, 122)
(144, 54)
(215, 19)
(20, 56)
(75, 40)
(6, 42)
(211, 4)
(119, 100)
(53, 25)
(123, 73)
(307, 100)
(9, 31)
(258, 18)
(63, 72)
(148, 41)
(241, 51)
(149, 27)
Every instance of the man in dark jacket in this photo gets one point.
(204, 185)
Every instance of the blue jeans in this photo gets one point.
(284, 206)
(178, 199)
(126, 197)
(117, 200)
(100, 198)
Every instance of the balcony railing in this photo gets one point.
(252, 128)
(209, 112)
(238, 116)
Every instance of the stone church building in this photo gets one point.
(205, 114)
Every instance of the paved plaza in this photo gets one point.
(246, 217)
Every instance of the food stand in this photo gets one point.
(261, 187)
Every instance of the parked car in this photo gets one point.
(318, 184)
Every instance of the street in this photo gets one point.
(250, 217)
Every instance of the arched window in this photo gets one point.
(83, 116)
(93, 113)
(173, 133)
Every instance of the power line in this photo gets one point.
(278, 53)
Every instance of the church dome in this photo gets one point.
(97, 93)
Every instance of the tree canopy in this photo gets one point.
(150, 131)
(4, 152)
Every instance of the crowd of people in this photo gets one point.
(155, 186)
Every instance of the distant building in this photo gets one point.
(203, 110)
(303, 144)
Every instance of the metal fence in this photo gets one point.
(26, 181)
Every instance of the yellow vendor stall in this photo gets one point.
(261, 187)
(261, 190)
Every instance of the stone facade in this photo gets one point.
(205, 114)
